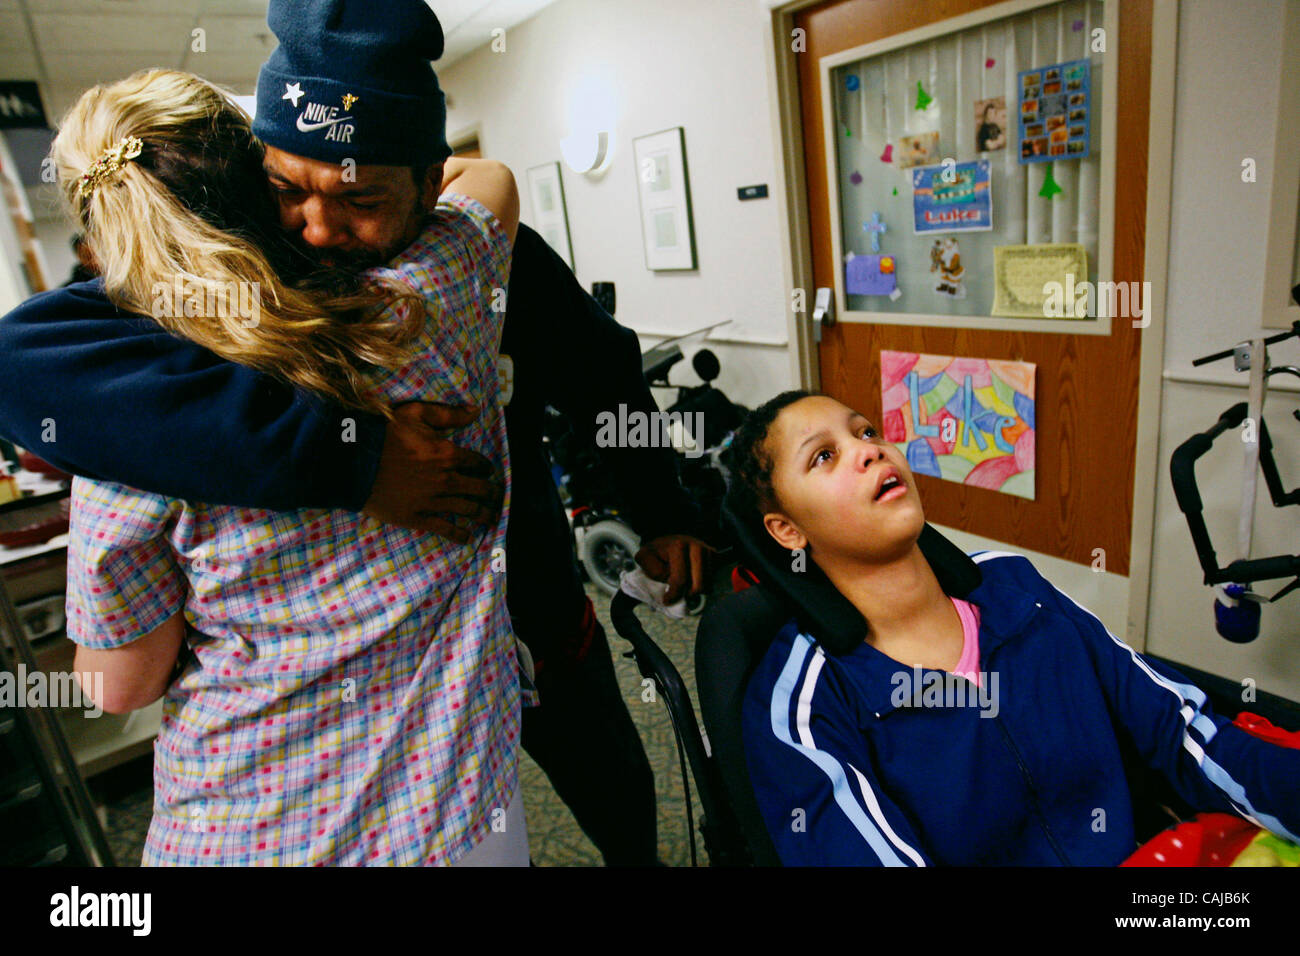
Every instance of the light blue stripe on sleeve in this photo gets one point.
(1217, 775)
(782, 695)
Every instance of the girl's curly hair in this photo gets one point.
(750, 464)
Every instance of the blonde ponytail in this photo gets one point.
(185, 231)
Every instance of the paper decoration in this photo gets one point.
(851, 82)
(990, 63)
(871, 275)
(952, 197)
(1076, 26)
(919, 150)
(1050, 186)
(945, 263)
(990, 124)
(855, 178)
(965, 420)
(888, 155)
(1055, 105)
(895, 190)
(1026, 277)
(923, 99)
(877, 229)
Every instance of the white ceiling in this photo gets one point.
(68, 45)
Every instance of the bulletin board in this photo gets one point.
(1086, 374)
(970, 168)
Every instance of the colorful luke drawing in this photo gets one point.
(962, 419)
(952, 197)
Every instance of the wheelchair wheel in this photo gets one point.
(608, 548)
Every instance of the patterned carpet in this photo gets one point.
(554, 838)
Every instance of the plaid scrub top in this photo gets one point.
(356, 697)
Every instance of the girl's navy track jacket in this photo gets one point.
(859, 760)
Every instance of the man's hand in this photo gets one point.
(677, 559)
(424, 480)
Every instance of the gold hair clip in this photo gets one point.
(109, 162)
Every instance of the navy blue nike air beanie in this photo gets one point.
(351, 79)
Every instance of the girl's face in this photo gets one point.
(844, 492)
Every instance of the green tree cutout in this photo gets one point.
(1050, 185)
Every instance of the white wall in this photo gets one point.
(13, 282)
(55, 236)
(634, 68)
(1229, 75)
(54, 231)
(637, 68)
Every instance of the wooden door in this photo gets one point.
(1087, 385)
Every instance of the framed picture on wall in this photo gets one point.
(667, 230)
(550, 216)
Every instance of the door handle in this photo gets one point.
(823, 312)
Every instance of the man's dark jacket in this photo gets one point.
(110, 395)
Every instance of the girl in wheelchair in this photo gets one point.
(977, 715)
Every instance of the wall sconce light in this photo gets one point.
(585, 152)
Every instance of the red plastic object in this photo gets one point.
(1265, 729)
(1212, 839)
(742, 578)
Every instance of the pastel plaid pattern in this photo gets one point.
(355, 698)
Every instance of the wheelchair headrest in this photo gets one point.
(821, 609)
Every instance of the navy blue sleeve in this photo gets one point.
(1211, 763)
(107, 395)
(812, 775)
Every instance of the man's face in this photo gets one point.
(353, 217)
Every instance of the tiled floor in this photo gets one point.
(554, 836)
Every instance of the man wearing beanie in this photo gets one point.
(353, 81)
(354, 122)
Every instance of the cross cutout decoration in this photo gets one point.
(876, 228)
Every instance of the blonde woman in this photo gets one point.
(353, 692)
